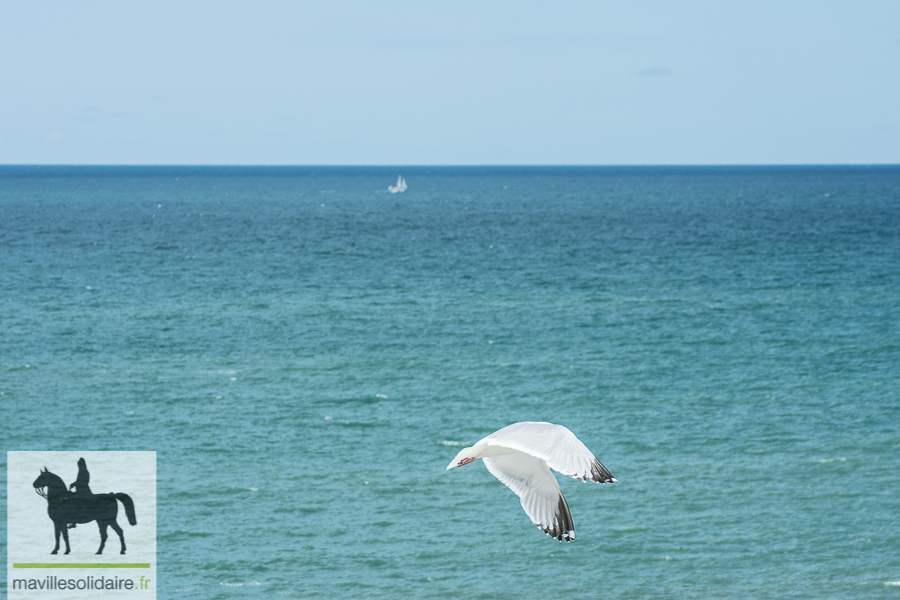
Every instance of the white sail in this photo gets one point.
(400, 187)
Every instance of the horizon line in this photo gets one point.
(452, 165)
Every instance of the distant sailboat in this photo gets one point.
(400, 187)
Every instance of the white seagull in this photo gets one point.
(519, 456)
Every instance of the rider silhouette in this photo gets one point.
(81, 486)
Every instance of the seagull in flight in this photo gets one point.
(521, 456)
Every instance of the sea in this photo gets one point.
(306, 352)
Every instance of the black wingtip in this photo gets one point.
(563, 529)
(600, 474)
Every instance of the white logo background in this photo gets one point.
(30, 532)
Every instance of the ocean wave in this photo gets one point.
(182, 534)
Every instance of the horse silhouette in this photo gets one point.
(82, 506)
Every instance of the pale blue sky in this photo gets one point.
(462, 82)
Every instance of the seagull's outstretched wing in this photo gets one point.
(554, 444)
(521, 456)
(538, 490)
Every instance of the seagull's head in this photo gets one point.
(466, 456)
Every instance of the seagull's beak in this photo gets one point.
(460, 463)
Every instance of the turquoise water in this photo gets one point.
(306, 352)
